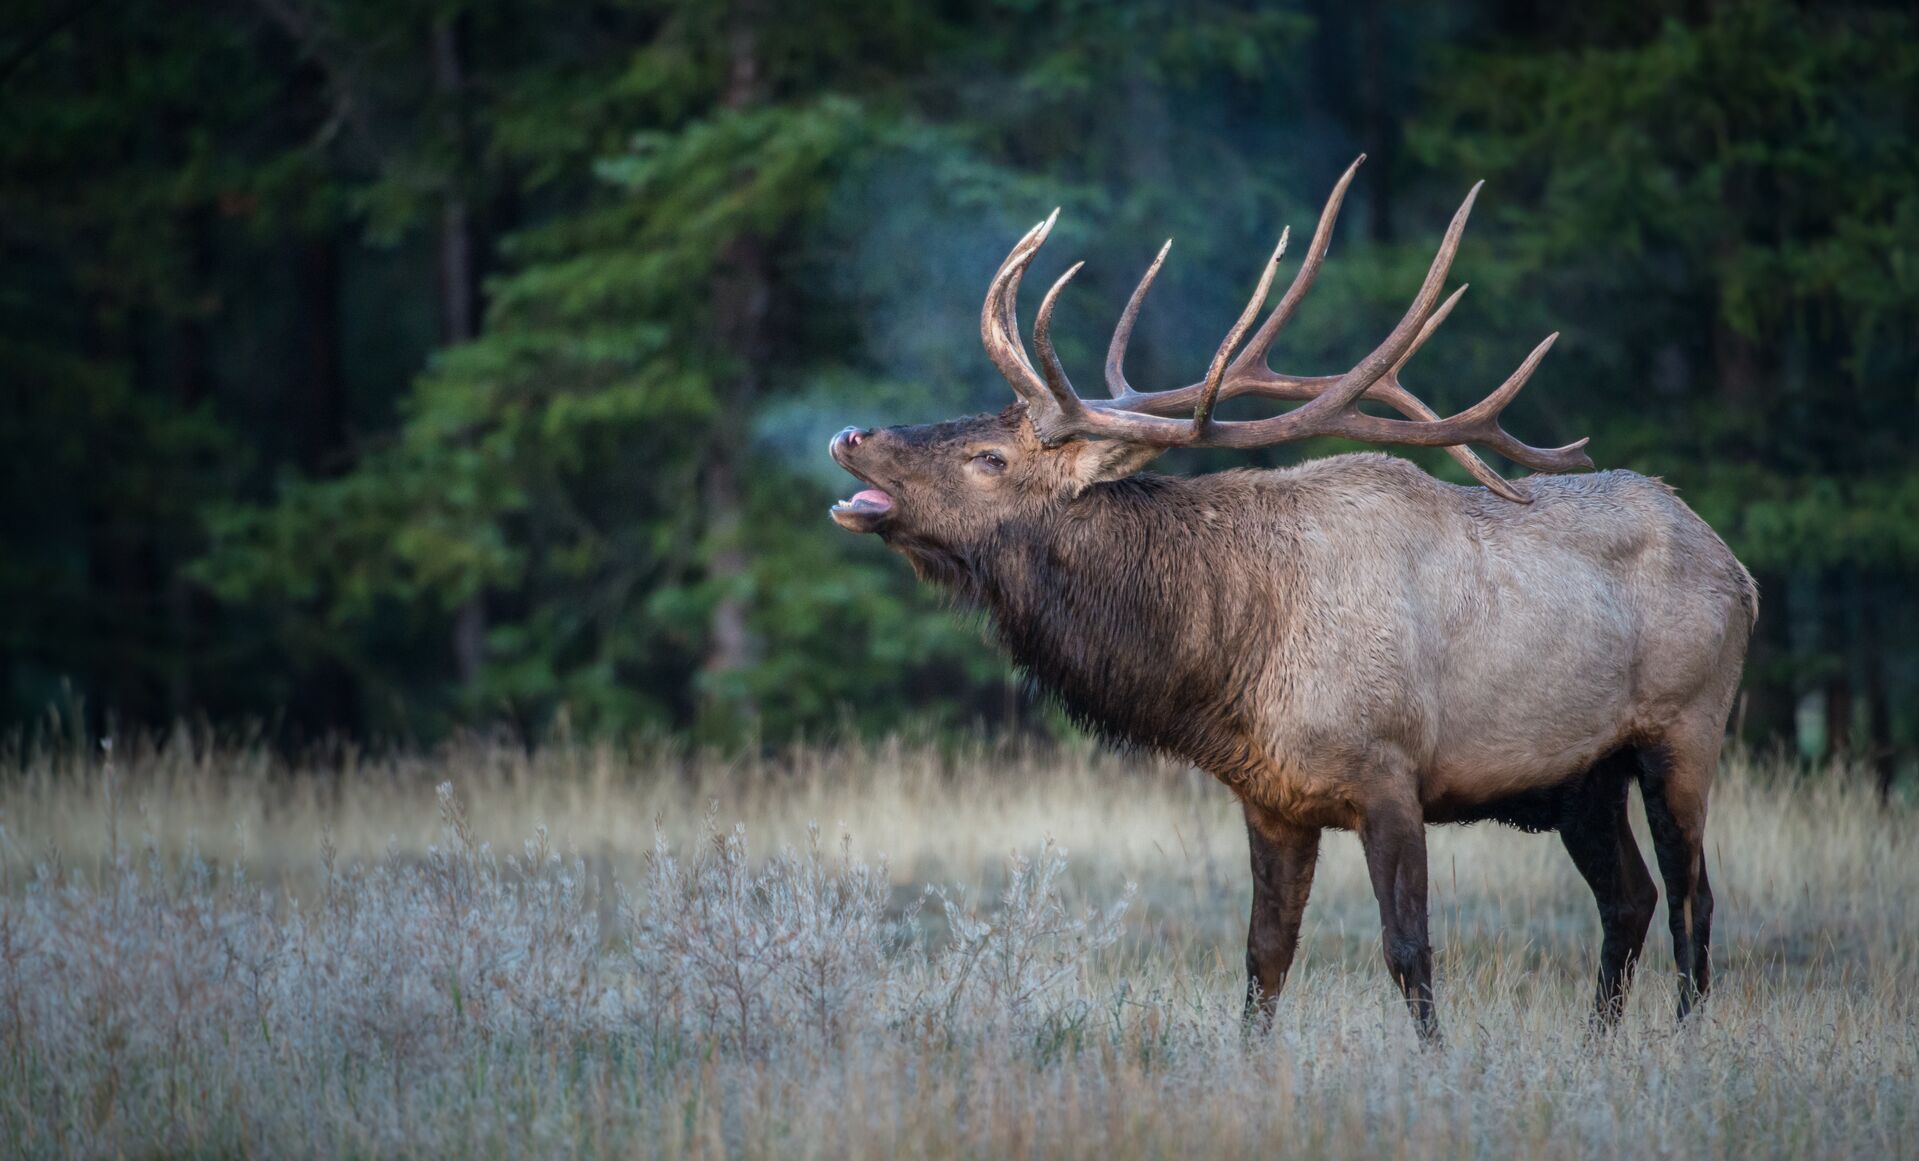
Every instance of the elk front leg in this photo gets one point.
(1394, 837)
(1283, 857)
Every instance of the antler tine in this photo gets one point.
(1432, 324)
(1255, 352)
(1123, 333)
(1216, 371)
(1005, 355)
(1340, 397)
(1009, 300)
(1391, 392)
(1477, 424)
(1064, 396)
(1411, 331)
(1483, 416)
(999, 318)
(1410, 406)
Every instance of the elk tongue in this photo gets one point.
(868, 500)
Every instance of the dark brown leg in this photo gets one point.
(1600, 841)
(1676, 813)
(1283, 858)
(1394, 837)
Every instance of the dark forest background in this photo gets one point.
(377, 366)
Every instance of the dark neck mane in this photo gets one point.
(1113, 606)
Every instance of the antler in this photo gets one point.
(1332, 402)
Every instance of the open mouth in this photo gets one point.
(868, 508)
(863, 510)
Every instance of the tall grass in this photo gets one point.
(601, 950)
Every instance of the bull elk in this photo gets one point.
(1348, 643)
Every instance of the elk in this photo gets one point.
(1350, 642)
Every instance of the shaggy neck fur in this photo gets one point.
(1116, 603)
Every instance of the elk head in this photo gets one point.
(955, 482)
(939, 489)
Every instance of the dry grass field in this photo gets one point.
(599, 951)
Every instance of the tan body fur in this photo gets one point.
(1397, 627)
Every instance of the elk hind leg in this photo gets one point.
(1676, 780)
(1597, 835)
(1283, 858)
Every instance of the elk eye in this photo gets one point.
(992, 461)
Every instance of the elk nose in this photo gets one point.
(849, 438)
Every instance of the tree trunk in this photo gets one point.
(1738, 364)
(323, 412)
(1839, 704)
(119, 591)
(1769, 702)
(329, 694)
(1378, 118)
(1738, 378)
(192, 384)
(740, 292)
(459, 292)
(1872, 663)
(1836, 643)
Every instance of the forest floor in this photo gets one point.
(599, 951)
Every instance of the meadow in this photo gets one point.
(993, 949)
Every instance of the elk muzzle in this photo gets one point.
(869, 508)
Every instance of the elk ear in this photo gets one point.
(1100, 460)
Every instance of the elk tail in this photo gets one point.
(1750, 588)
